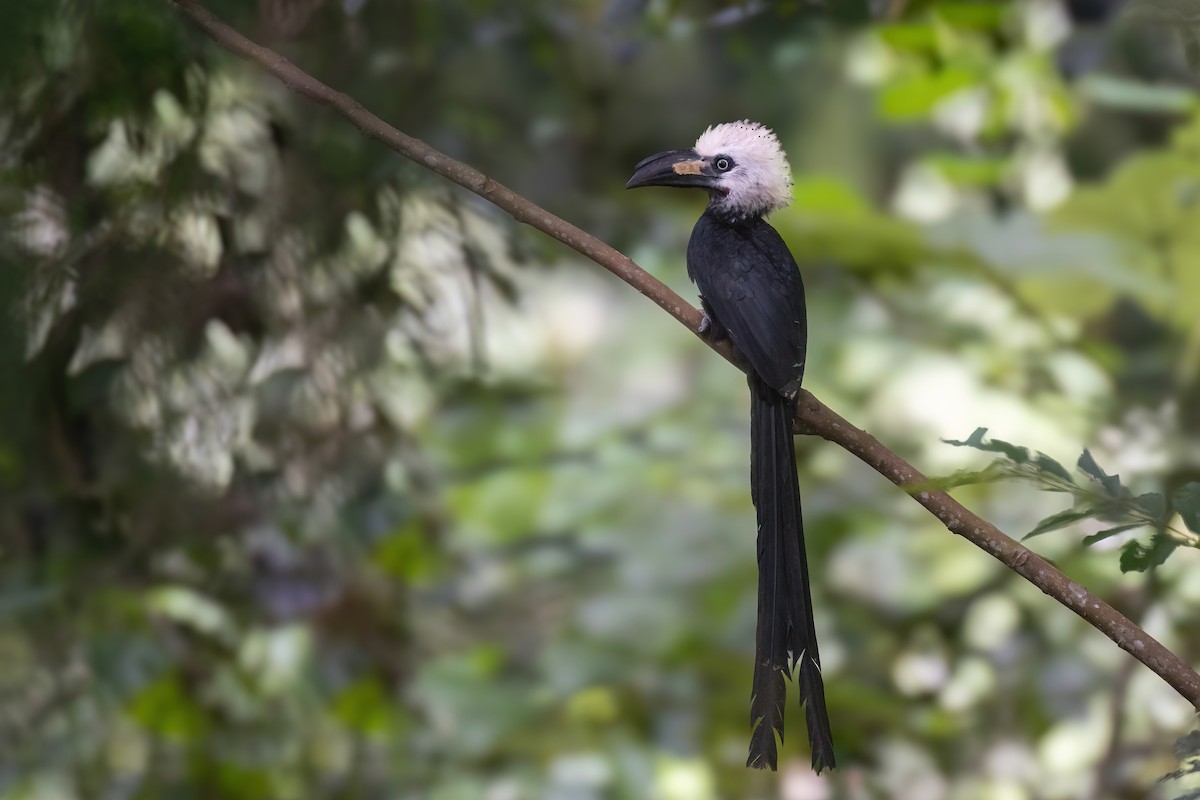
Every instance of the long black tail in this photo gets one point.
(785, 615)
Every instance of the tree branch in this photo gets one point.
(812, 415)
(824, 422)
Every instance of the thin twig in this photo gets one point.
(812, 415)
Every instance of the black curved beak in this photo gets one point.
(678, 168)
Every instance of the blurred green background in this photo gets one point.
(321, 478)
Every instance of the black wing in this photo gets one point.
(751, 284)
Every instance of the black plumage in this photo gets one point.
(752, 292)
(750, 284)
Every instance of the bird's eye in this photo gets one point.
(723, 164)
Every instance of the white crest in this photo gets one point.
(761, 179)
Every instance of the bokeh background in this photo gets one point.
(321, 478)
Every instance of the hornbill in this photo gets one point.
(752, 293)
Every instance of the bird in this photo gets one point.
(752, 293)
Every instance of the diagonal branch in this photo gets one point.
(812, 415)
(464, 175)
(824, 422)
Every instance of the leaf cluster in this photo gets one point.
(1097, 496)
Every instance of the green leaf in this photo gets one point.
(970, 170)
(410, 555)
(1186, 502)
(241, 782)
(367, 707)
(1111, 483)
(963, 477)
(1188, 746)
(1138, 557)
(166, 708)
(1088, 541)
(1047, 464)
(975, 15)
(1019, 455)
(828, 195)
(912, 38)
(974, 440)
(915, 97)
(1153, 505)
(1060, 520)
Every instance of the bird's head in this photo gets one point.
(740, 164)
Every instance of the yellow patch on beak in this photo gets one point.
(687, 167)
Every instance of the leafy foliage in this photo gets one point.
(1187, 753)
(1101, 497)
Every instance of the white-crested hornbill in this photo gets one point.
(751, 291)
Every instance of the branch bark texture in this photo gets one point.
(812, 415)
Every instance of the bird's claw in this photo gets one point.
(711, 328)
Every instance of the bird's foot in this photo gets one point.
(711, 329)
